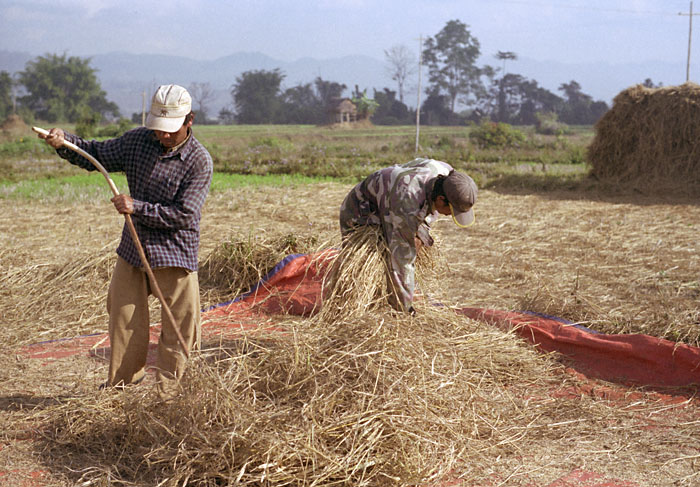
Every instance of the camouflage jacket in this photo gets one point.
(397, 198)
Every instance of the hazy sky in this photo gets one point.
(615, 31)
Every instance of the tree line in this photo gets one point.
(56, 88)
(458, 91)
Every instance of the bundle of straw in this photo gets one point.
(359, 278)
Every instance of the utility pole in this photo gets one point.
(420, 63)
(143, 109)
(690, 36)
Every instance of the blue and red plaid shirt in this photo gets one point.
(168, 189)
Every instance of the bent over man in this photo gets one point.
(169, 173)
(404, 200)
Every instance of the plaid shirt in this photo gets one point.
(168, 191)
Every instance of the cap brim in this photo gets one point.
(164, 124)
(463, 219)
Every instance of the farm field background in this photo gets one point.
(547, 239)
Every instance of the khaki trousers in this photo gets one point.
(129, 323)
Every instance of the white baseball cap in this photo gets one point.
(169, 107)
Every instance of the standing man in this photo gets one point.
(404, 200)
(169, 173)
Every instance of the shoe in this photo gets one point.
(121, 386)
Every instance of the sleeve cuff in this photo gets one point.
(138, 207)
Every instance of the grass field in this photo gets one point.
(349, 154)
(547, 239)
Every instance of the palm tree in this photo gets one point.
(503, 56)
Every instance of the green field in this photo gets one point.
(345, 155)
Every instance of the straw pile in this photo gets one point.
(649, 137)
(52, 299)
(13, 126)
(374, 400)
(351, 397)
(237, 264)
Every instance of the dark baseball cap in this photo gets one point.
(461, 191)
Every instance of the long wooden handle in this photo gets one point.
(134, 236)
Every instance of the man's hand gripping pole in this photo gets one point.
(134, 237)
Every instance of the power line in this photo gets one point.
(690, 16)
(586, 7)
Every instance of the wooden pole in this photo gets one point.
(143, 109)
(134, 237)
(420, 63)
(690, 37)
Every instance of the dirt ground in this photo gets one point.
(624, 264)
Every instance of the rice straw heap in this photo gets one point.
(649, 137)
(371, 400)
(237, 264)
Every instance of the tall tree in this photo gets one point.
(256, 96)
(202, 94)
(328, 91)
(302, 105)
(505, 56)
(401, 63)
(451, 59)
(502, 111)
(61, 88)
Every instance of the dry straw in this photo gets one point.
(237, 264)
(358, 280)
(374, 400)
(650, 137)
(54, 299)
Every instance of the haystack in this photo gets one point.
(14, 126)
(650, 137)
(237, 264)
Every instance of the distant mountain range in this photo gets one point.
(125, 77)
